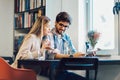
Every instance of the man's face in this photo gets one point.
(61, 27)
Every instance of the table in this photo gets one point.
(37, 65)
(104, 64)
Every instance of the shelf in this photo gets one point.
(31, 10)
(25, 14)
(23, 30)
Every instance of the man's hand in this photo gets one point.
(46, 44)
(78, 54)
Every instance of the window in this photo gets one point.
(99, 17)
(103, 21)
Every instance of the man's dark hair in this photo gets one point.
(63, 16)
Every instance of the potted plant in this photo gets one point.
(93, 37)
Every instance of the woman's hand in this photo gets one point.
(56, 51)
(46, 44)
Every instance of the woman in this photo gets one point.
(32, 47)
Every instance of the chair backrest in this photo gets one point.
(9, 73)
(79, 64)
(8, 59)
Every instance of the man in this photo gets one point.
(60, 41)
(62, 46)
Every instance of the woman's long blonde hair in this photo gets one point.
(37, 28)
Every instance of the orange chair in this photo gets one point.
(9, 73)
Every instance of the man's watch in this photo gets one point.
(71, 56)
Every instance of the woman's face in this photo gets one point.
(46, 29)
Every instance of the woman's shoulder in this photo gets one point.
(31, 36)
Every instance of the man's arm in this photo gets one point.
(70, 44)
(59, 56)
(75, 55)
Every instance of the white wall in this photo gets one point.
(6, 27)
(82, 29)
(53, 7)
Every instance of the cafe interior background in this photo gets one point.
(86, 15)
(100, 15)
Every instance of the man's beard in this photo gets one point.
(60, 33)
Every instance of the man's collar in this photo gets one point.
(55, 34)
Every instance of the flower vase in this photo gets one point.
(91, 50)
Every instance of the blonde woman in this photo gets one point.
(31, 47)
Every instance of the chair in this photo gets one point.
(79, 64)
(8, 59)
(9, 73)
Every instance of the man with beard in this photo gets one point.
(61, 45)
